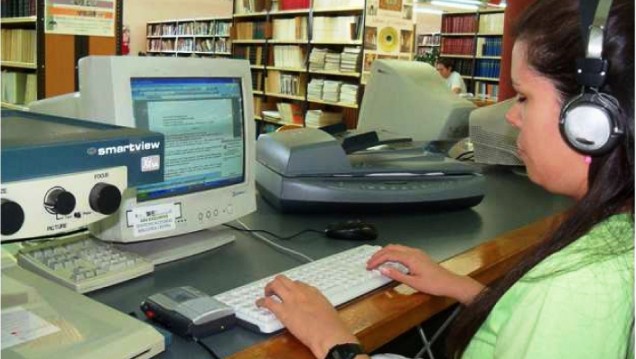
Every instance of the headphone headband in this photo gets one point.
(592, 69)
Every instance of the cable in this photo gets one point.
(276, 245)
(274, 234)
(207, 348)
(439, 331)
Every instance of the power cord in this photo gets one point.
(428, 344)
(272, 243)
(274, 234)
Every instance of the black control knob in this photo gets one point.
(104, 198)
(59, 201)
(12, 217)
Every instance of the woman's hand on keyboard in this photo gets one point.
(424, 275)
(307, 314)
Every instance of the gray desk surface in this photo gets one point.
(511, 202)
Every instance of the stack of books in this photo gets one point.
(314, 89)
(289, 56)
(350, 59)
(319, 118)
(332, 61)
(317, 58)
(331, 91)
(290, 112)
(349, 93)
(271, 116)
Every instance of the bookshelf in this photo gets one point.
(473, 40)
(426, 42)
(204, 37)
(37, 64)
(305, 59)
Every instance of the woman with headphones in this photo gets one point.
(573, 297)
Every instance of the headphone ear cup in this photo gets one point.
(589, 123)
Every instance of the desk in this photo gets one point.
(511, 203)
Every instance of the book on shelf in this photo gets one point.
(285, 84)
(350, 59)
(320, 118)
(18, 45)
(459, 23)
(292, 4)
(289, 56)
(272, 116)
(251, 30)
(489, 46)
(487, 68)
(491, 23)
(290, 112)
(249, 6)
(458, 46)
(18, 8)
(18, 87)
(336, 28)
(336, 4)
(290, 29)
(252, 53)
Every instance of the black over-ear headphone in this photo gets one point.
(589, 121)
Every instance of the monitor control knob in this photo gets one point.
(12, 217)
(59, 201)
(104, 198)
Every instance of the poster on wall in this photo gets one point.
(388, 32)
(80, 17)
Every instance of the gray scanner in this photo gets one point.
(307, 170)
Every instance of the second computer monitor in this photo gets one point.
(204, 109)
(410, 99)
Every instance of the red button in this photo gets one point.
(150, 314)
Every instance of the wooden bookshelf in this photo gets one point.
(203, 37)
(280, 41)
(474, 40)
(36, 64)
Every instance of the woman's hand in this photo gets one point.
(425, 275)
(307, 314)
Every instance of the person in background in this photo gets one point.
(454, 80)
(573, 296)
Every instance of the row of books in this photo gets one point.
(18, 8)
(18, 45)
(285, 83)
(289, 56)
(251, 30)
(205, 28)
(332, 91)
(487, 68)
(160, 45)
(19, 88)
(290, 29)
(253, 53)
(486, 90)
(427, 40)
(491, 23)
(324, 59)
(463, 66)
(210, 45)
(335, 4)
(249, 6)
(489, 46)
(337, 28)
(458, 46)
(459, 23)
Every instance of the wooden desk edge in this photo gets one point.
(385, 314)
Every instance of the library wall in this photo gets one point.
(138, 12)
(425, 23)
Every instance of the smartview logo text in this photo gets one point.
(132, 147)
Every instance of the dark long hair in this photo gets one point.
(551, 30)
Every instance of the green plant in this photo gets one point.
(429, 56)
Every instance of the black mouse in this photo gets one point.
(355, 230)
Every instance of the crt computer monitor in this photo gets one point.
(409, 99)
(494, 139)
(204, 108)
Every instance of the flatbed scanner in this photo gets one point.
(307, 170)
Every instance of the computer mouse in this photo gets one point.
(355, 230)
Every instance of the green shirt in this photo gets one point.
(576, 303)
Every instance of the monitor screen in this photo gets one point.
(202, 121)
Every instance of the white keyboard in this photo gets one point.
(83, 263)
(340, 277)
